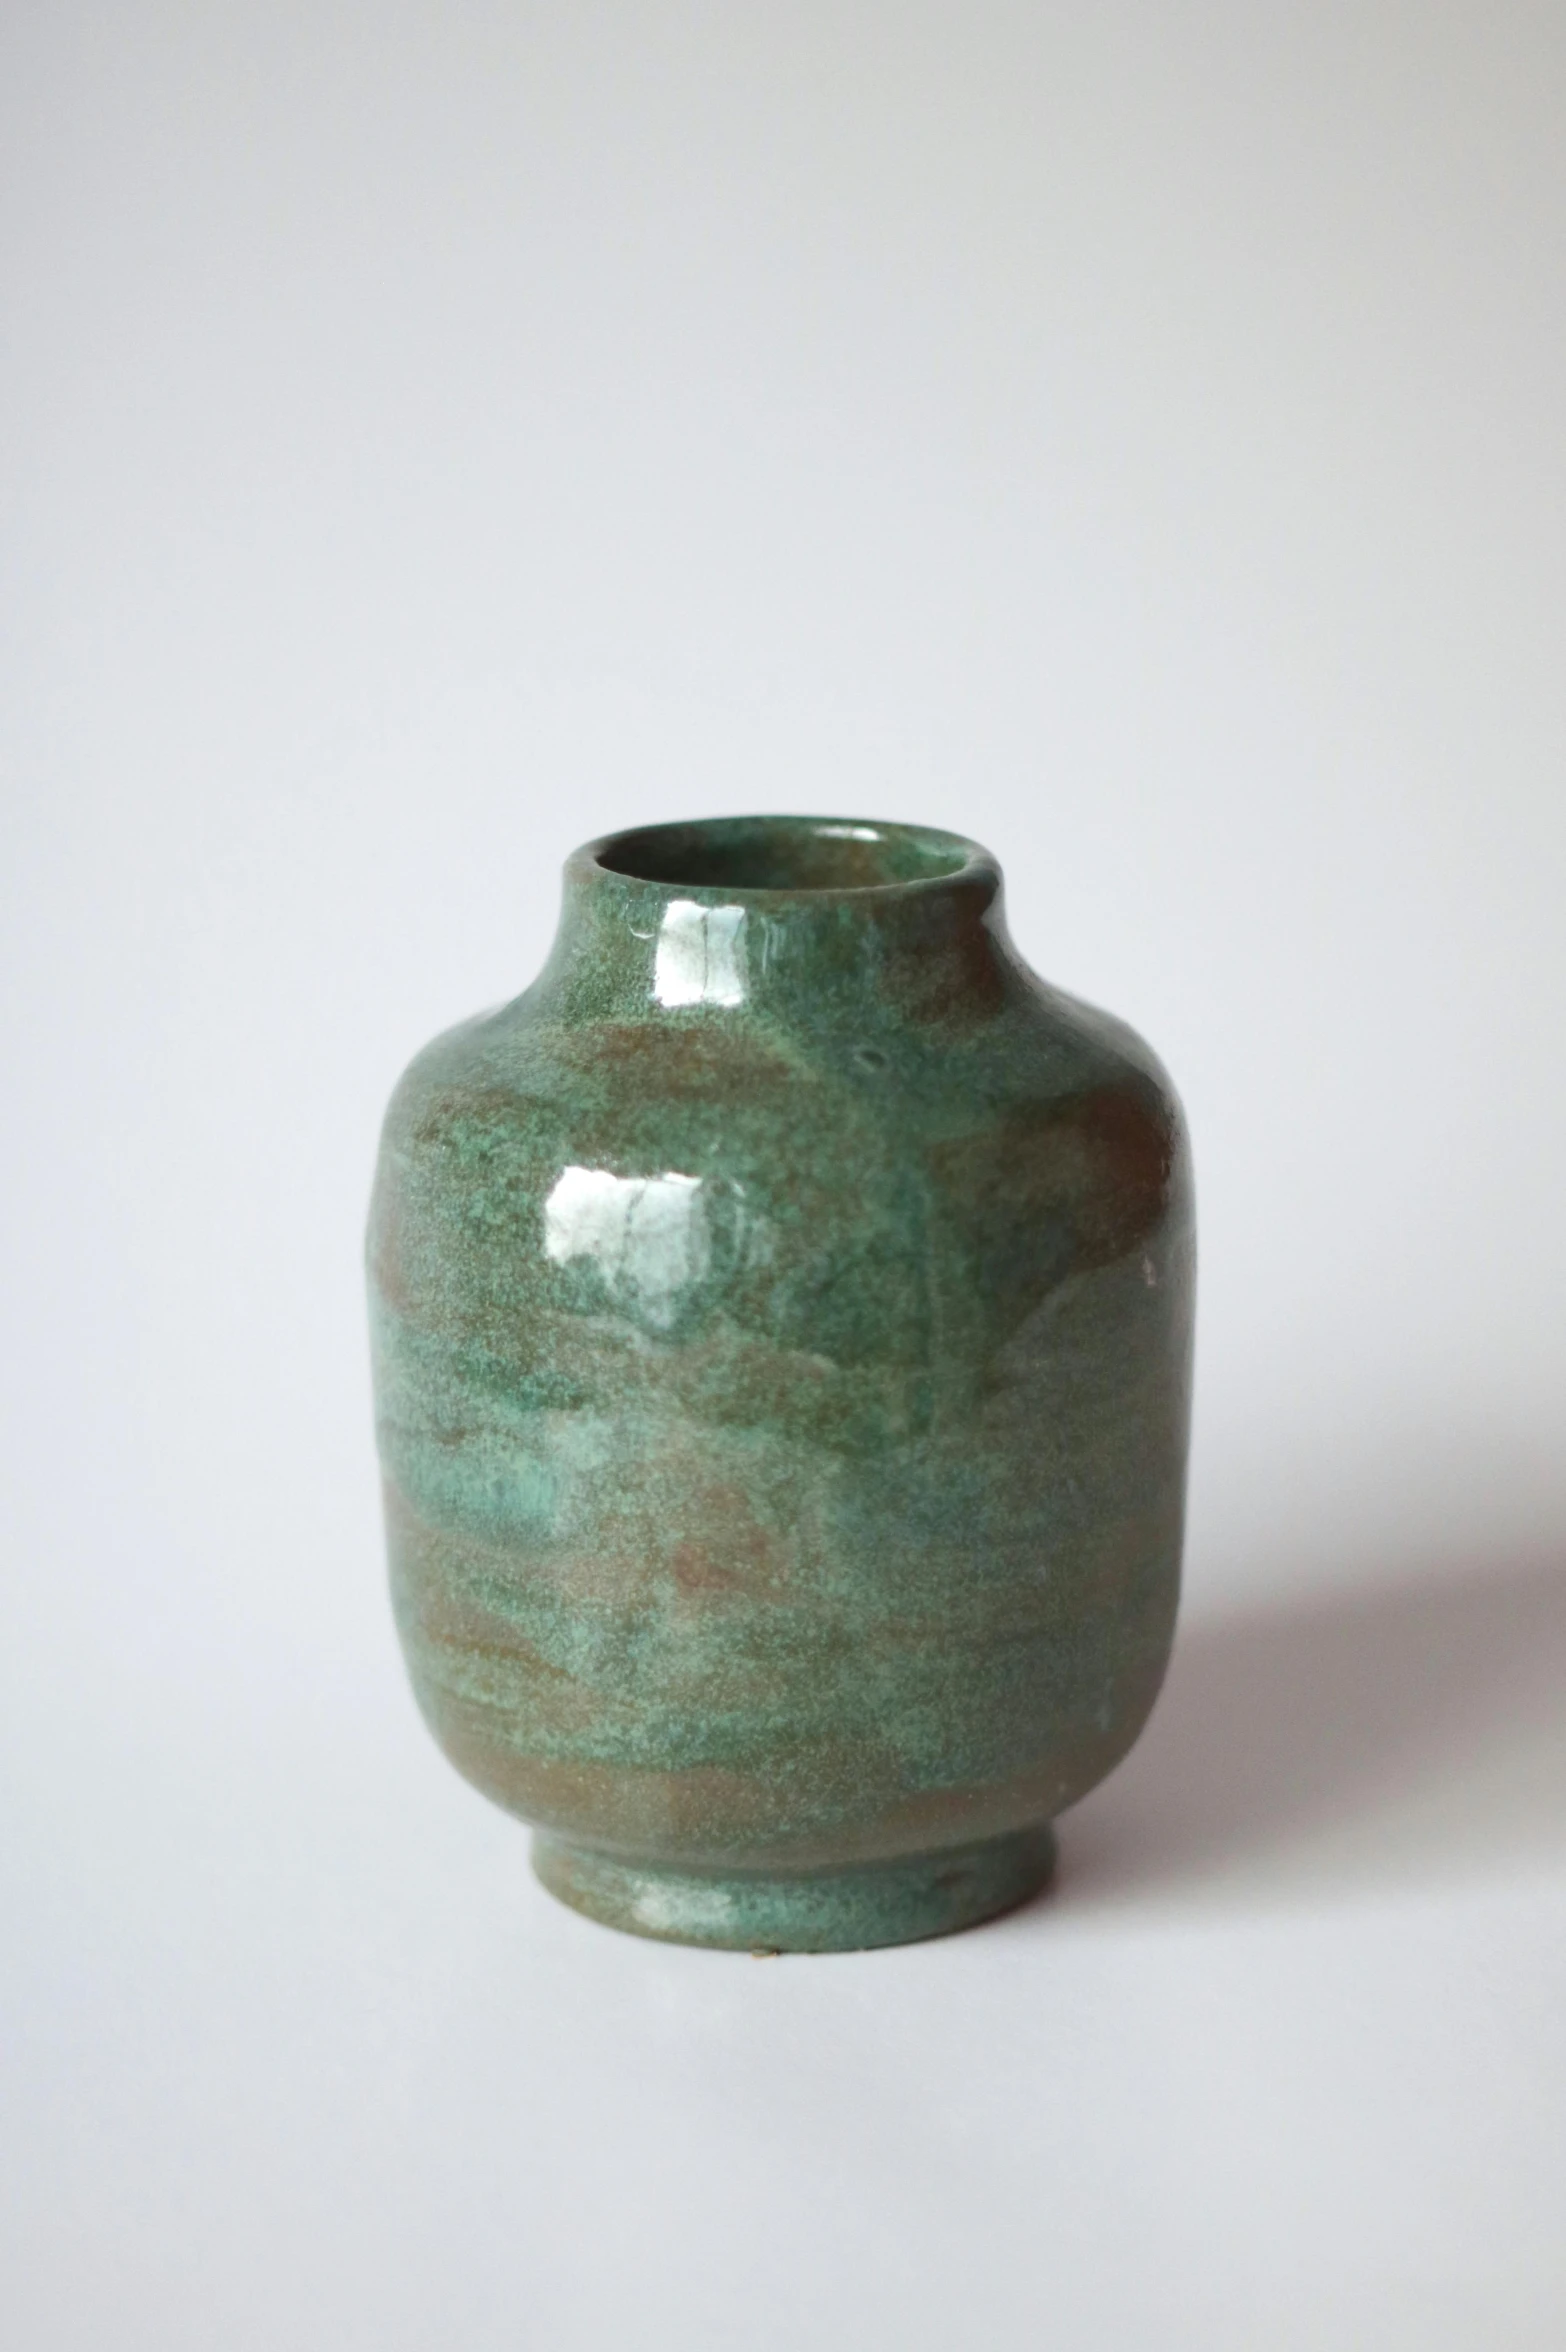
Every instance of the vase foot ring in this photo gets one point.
(845, 1910)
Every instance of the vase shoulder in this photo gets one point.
(686, 1171)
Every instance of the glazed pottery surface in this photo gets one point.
(782, 1321)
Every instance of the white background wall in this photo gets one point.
(1129, 434)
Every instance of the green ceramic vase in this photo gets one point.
(782, 1330)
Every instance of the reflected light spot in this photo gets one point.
(700, 955)
(646, 1234)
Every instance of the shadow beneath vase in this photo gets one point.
(1410, 1732)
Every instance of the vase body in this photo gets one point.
(781, 1321)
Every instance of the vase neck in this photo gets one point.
(824, 920)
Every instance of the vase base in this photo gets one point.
(897, 1902)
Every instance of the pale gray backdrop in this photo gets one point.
(1132, 434)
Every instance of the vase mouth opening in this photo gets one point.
(799, 856)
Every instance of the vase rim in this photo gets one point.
(783, 859)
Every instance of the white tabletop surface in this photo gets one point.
(436, 435)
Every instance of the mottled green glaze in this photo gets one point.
(782, 1325)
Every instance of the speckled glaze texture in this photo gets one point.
(782, 1323)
